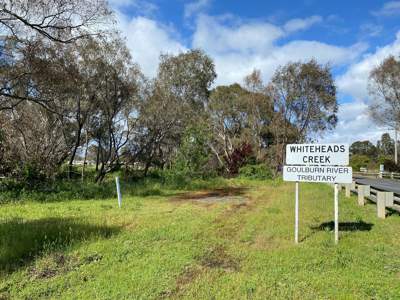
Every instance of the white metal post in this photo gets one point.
(118, 192)
(296, 226)
(336, 213)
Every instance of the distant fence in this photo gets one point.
(390, 175)
(385, 201)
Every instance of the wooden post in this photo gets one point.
(389, 199)
(361, 191)
(348, 190)
(381, 204)
(353, 185)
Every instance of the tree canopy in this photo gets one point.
(69, 90)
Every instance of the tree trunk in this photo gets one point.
(98, 156)
(76, 146)
(85, 156)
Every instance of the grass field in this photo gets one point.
(174, 244)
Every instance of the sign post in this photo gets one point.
(318, 163)
(336, 213)
(296, 226)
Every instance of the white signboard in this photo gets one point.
(317, 154)
(329, 174)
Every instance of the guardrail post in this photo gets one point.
(348, 190)
(353, 185)
(389, 199)
(363, 191)
(381, 204)
(391, 175)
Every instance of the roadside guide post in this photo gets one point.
(318, 163)
(118, 192)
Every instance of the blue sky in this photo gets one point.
(352, 36)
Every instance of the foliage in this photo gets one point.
(159, 182)
(260, 172)
(385, 145)
(391, 166)
(358, 161)
(366, 154)
(193, 155)
(76, 94)
(384, 88)
(240, 156)
(364, 148)
(304, 94)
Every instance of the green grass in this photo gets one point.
(161, 245)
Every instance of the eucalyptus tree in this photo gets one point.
(27, 25)
(240, 120)
(32, 150)
(175, 99)
(304, 97)
(115, 118)
(385, 145)
(384, 88)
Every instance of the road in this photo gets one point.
(380, 184)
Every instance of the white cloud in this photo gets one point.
(354, 122)
(371, 29)
(238, 47)
(144, 8)
(355, 81)
(195, 7)
(390, 8)
(354, 125)
(301, 24)
(214, 37)
(147, 39)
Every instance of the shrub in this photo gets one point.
(390, 166)
(358, 161)
(260, 171)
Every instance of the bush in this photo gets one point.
(390, 166)
(260, 171)
(358, 161)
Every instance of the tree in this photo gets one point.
(193, 155)
(260, 112)
(57, 20)
(175, 100)
(386, 145)
(304, 96)
(384, 88)
(37, 150)
(239, 119)
(364, 148)
(114, 120)
(30, 25)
